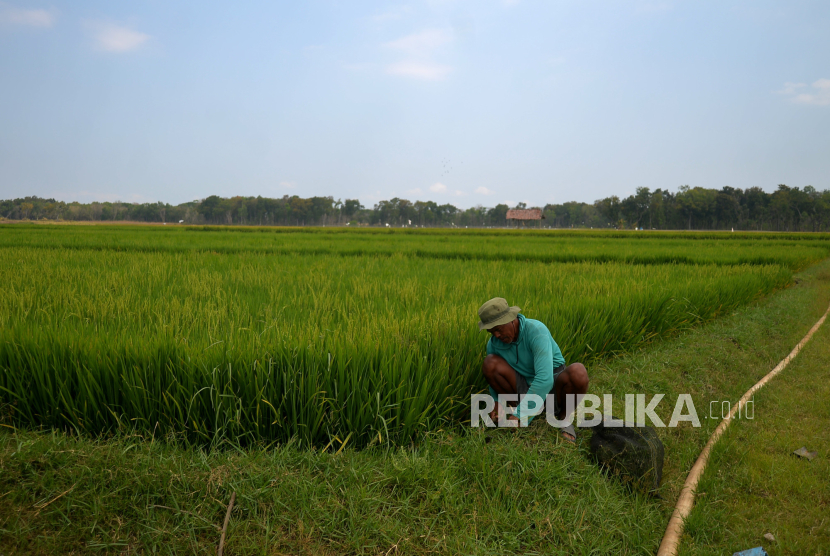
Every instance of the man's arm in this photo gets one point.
(543, 368)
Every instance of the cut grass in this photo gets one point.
(453, 494)
(523, 492)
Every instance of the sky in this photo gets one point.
(455, 101)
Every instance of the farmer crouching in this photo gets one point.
(522, 359)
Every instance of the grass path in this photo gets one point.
(471, 492)
(720, 362)
(755, 485)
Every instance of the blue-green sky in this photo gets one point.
(468, 102)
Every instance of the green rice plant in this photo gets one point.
(327, 349)
(794, 250)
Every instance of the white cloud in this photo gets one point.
(421, 44)
(820, 95)
(416, 191)
(427, 71)
(438, 188)
(418, 49)
(30, 18)
(484, 191)
(288, 184)
(117, 38)
(459, 193)
(791, 88)
(817, 95)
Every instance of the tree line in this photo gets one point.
(689, 208)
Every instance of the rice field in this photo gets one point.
(793, 250)
(329, 338)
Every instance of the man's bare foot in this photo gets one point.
(569, 434)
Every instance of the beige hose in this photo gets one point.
(687, 495)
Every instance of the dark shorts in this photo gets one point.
(522, 386)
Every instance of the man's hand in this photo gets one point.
(499, 412)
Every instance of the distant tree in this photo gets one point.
(780, 208)
(210, 209)
(26, 208)
(351, 207)
(727, 207)
(497, 216)
(657, 210)
(788, 208)
(610, 209)
(635, 207)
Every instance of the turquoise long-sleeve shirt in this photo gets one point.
(534, 355)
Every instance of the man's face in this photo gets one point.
(507, 333)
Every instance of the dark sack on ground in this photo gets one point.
(634, 454)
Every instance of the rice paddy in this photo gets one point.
(330, 338)
(793, 250)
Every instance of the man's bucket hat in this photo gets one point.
(496, 312)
